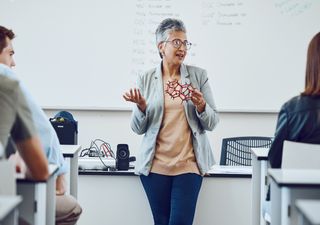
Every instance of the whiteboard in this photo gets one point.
(84, 54)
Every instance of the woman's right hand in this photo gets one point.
(135, 96)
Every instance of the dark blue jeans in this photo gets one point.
(172, 199)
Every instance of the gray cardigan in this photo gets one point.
(149, 123)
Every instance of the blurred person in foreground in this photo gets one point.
(67, 208)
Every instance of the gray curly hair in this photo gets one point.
(166, 27)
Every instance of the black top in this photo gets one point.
(299, 121)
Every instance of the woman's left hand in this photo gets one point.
(198, 100)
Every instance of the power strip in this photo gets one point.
(94, 163)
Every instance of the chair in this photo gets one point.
(298, 155)
(236, 151)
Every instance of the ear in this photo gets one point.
(161, 48)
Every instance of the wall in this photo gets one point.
(120, 200)
(114, 127)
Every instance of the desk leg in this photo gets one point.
(33, 206)
(40, 215)
(256, 172)
(51, 201)
(301, 220)
(263, 189)
(275, 203)
(68, 175)
(74, 176)
(15, 216)
(11, 219)
(285, 205)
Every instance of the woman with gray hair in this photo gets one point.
(173, 109)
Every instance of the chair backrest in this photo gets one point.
(298, 155)
(236, 151)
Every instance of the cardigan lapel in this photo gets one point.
(159, 84)
(185, 79)
(185, 76)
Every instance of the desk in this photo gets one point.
(119, 198)
(70, 153)
(8, 209)
(38, 205)
(259, 183)
(7, 179)
(287, 185)
(309, 211)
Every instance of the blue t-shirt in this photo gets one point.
(46, 132)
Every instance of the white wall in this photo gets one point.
(120, 200)
(114, 127)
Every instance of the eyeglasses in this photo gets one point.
(177, 43)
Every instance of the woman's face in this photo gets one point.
(174, 49)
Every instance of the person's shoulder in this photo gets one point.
(292, 102)
(195, 69)
(8, 81)
(301, 103)
(148, 74)
(8, 85)
(197, 73)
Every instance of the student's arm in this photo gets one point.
(18, 162)
(32, 154)
(16, 121)
(281, 134)
(24, 134)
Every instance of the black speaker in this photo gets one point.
(122, 160)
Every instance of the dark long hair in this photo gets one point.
(312, 82)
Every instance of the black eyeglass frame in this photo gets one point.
(177, 43)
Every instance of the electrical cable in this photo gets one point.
(101, 151)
